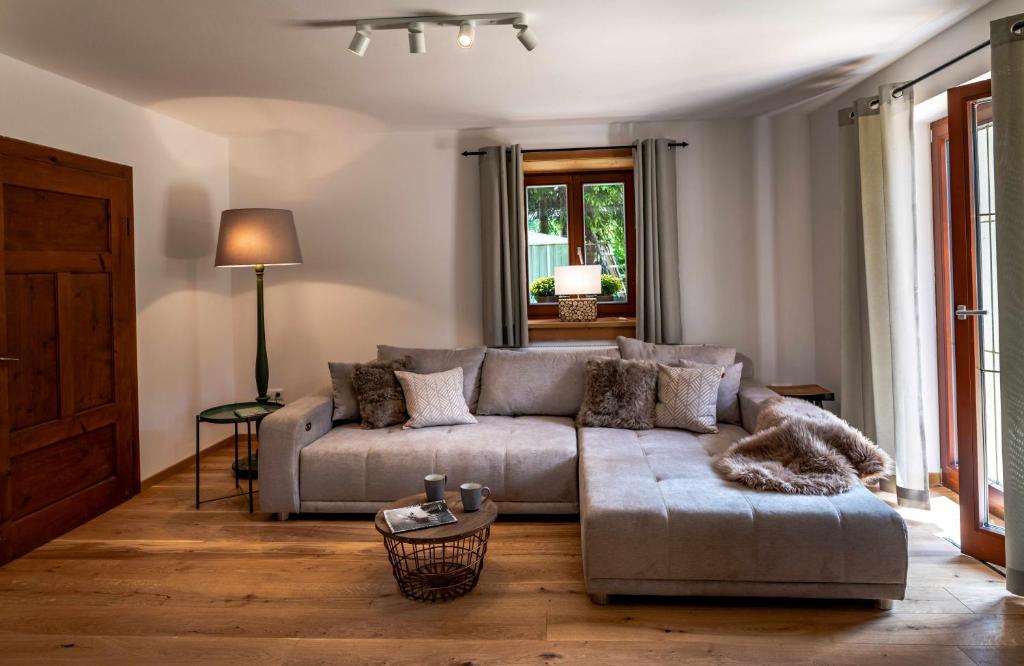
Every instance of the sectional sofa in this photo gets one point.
(656, 519)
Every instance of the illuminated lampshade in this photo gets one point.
(573, 280)
(251, 236)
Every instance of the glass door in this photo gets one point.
(972, 218)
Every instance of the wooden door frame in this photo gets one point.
(943, 308)
(976, 540)
(123, 311)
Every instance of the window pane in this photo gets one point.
(547, 224)
(604, 235)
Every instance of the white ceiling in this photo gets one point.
(597, 59)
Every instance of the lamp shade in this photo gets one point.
(250, 236)
(571, 280)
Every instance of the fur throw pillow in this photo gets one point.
(801, 449)
(619, 394)
(380, 397)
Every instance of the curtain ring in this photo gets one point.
(896, 94)
(1017, 28)
(873, 104)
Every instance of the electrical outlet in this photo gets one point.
(276, 395)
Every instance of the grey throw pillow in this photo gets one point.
(687, 398)
(631, 348)
(429, 361)
(728, 406)
(346, 406)
(435, 399)
(381, 401)
(619, 394)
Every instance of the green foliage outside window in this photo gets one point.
(544, 286)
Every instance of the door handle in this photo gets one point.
(963, 313)
(9, 358)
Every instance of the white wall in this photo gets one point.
(180, 186)
(825, 194)
(389, 228)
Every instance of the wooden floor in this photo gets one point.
(155, 580)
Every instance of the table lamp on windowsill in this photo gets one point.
(258, 237)
(574, 286)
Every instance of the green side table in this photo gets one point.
(229, 414)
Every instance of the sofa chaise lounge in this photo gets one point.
(656, 518)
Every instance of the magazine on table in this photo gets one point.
(419, 517)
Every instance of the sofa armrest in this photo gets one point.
(753, 394)
(283, 435)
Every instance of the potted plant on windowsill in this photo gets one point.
(611, 287)
(543, 290)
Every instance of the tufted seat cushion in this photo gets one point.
(654, 512)
(522, 459)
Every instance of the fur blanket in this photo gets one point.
(801, 449)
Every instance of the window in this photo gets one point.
(581, 217)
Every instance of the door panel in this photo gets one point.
(68, 446)
(972, 221)
(32, 339)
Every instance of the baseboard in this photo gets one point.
(934, 478)
(182, 465)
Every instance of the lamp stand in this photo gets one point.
(262, 367)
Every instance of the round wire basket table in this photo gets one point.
(439, 563)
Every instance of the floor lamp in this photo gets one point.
(258, 237)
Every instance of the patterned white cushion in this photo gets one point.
(434, 399)
(687, 398)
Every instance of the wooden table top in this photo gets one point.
(800, 390)
(468, 522)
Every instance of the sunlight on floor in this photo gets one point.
(944, 516)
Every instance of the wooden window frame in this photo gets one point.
(574, 182)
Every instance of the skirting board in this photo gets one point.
(182, 465)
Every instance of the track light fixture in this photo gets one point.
(526, 38)
(416, 26)
(467, 33)
(417, 40)
(360, 41)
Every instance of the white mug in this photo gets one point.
(473, 495)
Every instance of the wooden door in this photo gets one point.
(975, 317)
(68, 389)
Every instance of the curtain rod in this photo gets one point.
(896, 92)
(672, 144)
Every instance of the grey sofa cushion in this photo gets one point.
(631, 348)
(429, 361)
(346, 406)
(619, 394)
(535, 382)
(652, 508)
(728, 403)
(528, 459)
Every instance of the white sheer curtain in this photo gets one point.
(881, 347)
(1008, 126)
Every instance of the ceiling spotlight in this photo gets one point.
(467, 32)
(360, 41)
(526, 38)
(417, 40)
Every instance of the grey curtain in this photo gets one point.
(503, 234)
(658, 305)
(881, 351)
(1008, 128)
